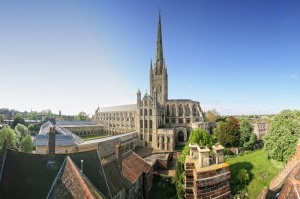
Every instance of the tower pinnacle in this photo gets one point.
(159, 49)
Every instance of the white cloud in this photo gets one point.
(293, 76)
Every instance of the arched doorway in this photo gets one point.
(180, 137)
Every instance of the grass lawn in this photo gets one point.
(261, 171)
(92, 137)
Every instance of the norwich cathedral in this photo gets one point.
(160, 122)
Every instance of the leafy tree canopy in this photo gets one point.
(247, 136)
(8, 134)
(21, 130)
(33, 115)
(47, 112)
(26, 144)
(281, 139)
(243, 176)
(1, 118)
(202, 138)
(227, 133)
(212, 115)
(82, 116)
(18, 120)
(31, 127)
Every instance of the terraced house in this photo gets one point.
(160, 122)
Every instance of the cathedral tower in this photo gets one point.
(159, 75)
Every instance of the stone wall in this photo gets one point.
(106, 146)
(206, 178)
(58, 149)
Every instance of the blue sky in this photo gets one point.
(239, 57)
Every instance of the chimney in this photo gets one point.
(51, 144)
(218, 153)
(51, 149)
(118, 152)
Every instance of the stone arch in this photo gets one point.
(180, 136)
(179, 132)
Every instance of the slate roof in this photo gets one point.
(26, 175)
(114, 178)
(60, 140)
(133, 166)
(127, 107)
(41, 140)
(178, 100)
(74, 123)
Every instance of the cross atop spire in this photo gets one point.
(159, 48)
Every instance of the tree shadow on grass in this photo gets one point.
(235, 186)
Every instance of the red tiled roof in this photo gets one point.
(133, 166)
(291, 189)
(74, 181)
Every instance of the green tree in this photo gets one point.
(18, 120)
(202, 138)
(227, 133)
(47, 113)
(247, 136)
(243, 177)
(81, 116)
(8, 134)
(31, 127)
(26, 144)
(281, 139)
(21, 130)
(1, 119)
(211, 115)
(33, 115)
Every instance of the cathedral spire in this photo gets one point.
(159, 48)
(151, 65)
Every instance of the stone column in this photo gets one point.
(166, 143)
(171, 143)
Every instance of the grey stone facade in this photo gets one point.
(159, 121)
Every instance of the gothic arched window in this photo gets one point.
(187, 110)
(180, 111)
(141, 112)
(150, 112)
(168, 110)
(146, 124)
(150, 124)
(194, 110)
(141, 123)
(145, 111)
(173, 110)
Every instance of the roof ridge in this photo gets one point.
(142, 159)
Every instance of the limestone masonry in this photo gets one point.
(160, 122)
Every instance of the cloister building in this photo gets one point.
(160, 122)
